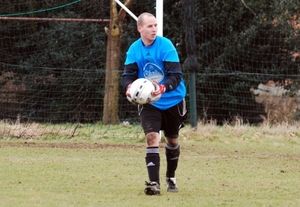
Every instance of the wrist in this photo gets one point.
(163, 88)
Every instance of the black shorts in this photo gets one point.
(170, 120)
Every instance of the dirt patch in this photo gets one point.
(67, 145)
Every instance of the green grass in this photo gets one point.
(219, 166)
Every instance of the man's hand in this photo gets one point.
(128, 96)
(159, 89)
(128, 89)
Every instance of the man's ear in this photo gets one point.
(139, 28)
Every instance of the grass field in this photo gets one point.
(219, 166)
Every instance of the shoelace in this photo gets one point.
(149, 183)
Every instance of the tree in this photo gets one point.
(111, 97)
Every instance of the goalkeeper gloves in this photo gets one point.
(159, 89)
(128, 96)
(128, 90)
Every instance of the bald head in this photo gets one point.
(141, 18)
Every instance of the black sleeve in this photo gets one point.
(174, 75)
(129, 75)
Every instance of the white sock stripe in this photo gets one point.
(152, 150)
(172, 148)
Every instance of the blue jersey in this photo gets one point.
(150, 61)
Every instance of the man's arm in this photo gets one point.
(129, 75)
(174, 75)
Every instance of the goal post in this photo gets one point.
(159, 16)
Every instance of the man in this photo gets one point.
(155, 58)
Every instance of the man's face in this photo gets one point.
(148, 29)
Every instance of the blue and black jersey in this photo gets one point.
(158, 62)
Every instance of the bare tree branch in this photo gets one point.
(122, 12)
(243, 1)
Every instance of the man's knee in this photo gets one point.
(152, 139)
(172, 141)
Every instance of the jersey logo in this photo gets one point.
(153, 72)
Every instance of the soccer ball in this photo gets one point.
(140, 91)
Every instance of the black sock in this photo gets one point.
(172, 155)
(153, 163)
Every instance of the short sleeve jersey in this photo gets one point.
(150, 61)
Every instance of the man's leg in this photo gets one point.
(153, 163)
(173, 119)
(152, 156)
(151, 122)
(172, 157)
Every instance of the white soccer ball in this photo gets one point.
(140, 91)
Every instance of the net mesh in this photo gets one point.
(53, 59)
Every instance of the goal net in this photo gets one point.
(53, 58)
